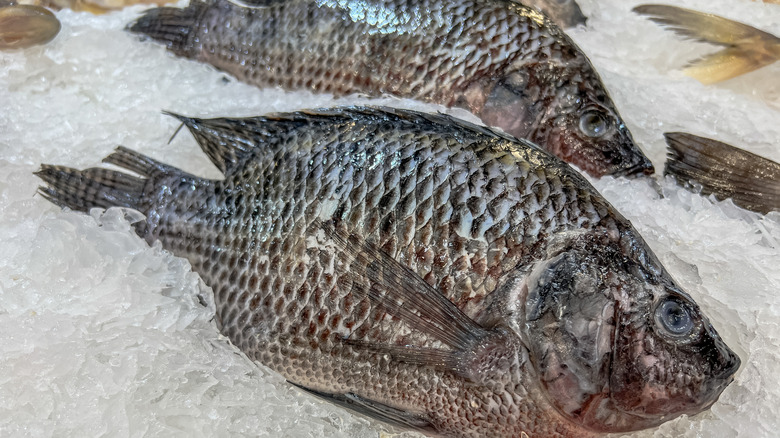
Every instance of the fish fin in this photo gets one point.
(476, 353)
(441, 359)
(374, 409)
(402, 293)
(723, 65)
(172, 26)
(82, 190)
(747, 47)
(96, 187)
(223, 140)
(753, 182)
(138, 163)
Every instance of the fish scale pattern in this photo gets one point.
(460, 205)
(385, 50)
(504, 62)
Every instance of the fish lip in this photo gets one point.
(644, 168)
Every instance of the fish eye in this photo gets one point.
(593, 124)
(674, 317)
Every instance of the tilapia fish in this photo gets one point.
(503, 61)
(425, 271)
(751, 181)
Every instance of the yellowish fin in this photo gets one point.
(746, 48)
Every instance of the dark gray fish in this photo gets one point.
(751, 181)
(564, 13)
(425, 271)
(503, 61)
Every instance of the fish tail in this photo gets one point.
(82, 190)
(751, 181)
(745, 47)
(173, 27)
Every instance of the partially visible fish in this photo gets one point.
(751, 181)
(23, 26)
(564, 13)
(746, 48)
(503, 61)
(425, 271)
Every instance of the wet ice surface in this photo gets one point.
(102, 334)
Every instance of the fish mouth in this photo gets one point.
(644, 168)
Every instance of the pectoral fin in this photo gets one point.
(474, 352)
(375, 409)
(403, 293)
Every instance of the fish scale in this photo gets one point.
(394, 182)
(421, 269)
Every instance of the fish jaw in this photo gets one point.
(663, 385)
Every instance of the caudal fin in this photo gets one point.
(171, 26)
(751, 181)
(746, 48)
(83, 190)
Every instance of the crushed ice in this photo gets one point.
(104, 335)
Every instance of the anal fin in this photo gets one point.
(374, 409)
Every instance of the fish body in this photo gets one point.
(745, 48)
(751, 181)
(423, 270)
(564, 13)
(503, 61)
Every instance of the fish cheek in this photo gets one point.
(512, 106)
(570, 326)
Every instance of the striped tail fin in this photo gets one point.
(82, 190)
(173, 27)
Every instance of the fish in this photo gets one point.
(504, 62)
(745, 48)
(564, 13)
(23, 26)
(423, 270)
(728, 172)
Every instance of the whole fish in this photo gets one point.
(425, 271)
(503, 61)
(745, 47)
(751, 181)
(564, 13)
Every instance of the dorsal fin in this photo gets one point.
(220, 139)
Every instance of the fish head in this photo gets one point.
(567, 113)
(616, 348)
